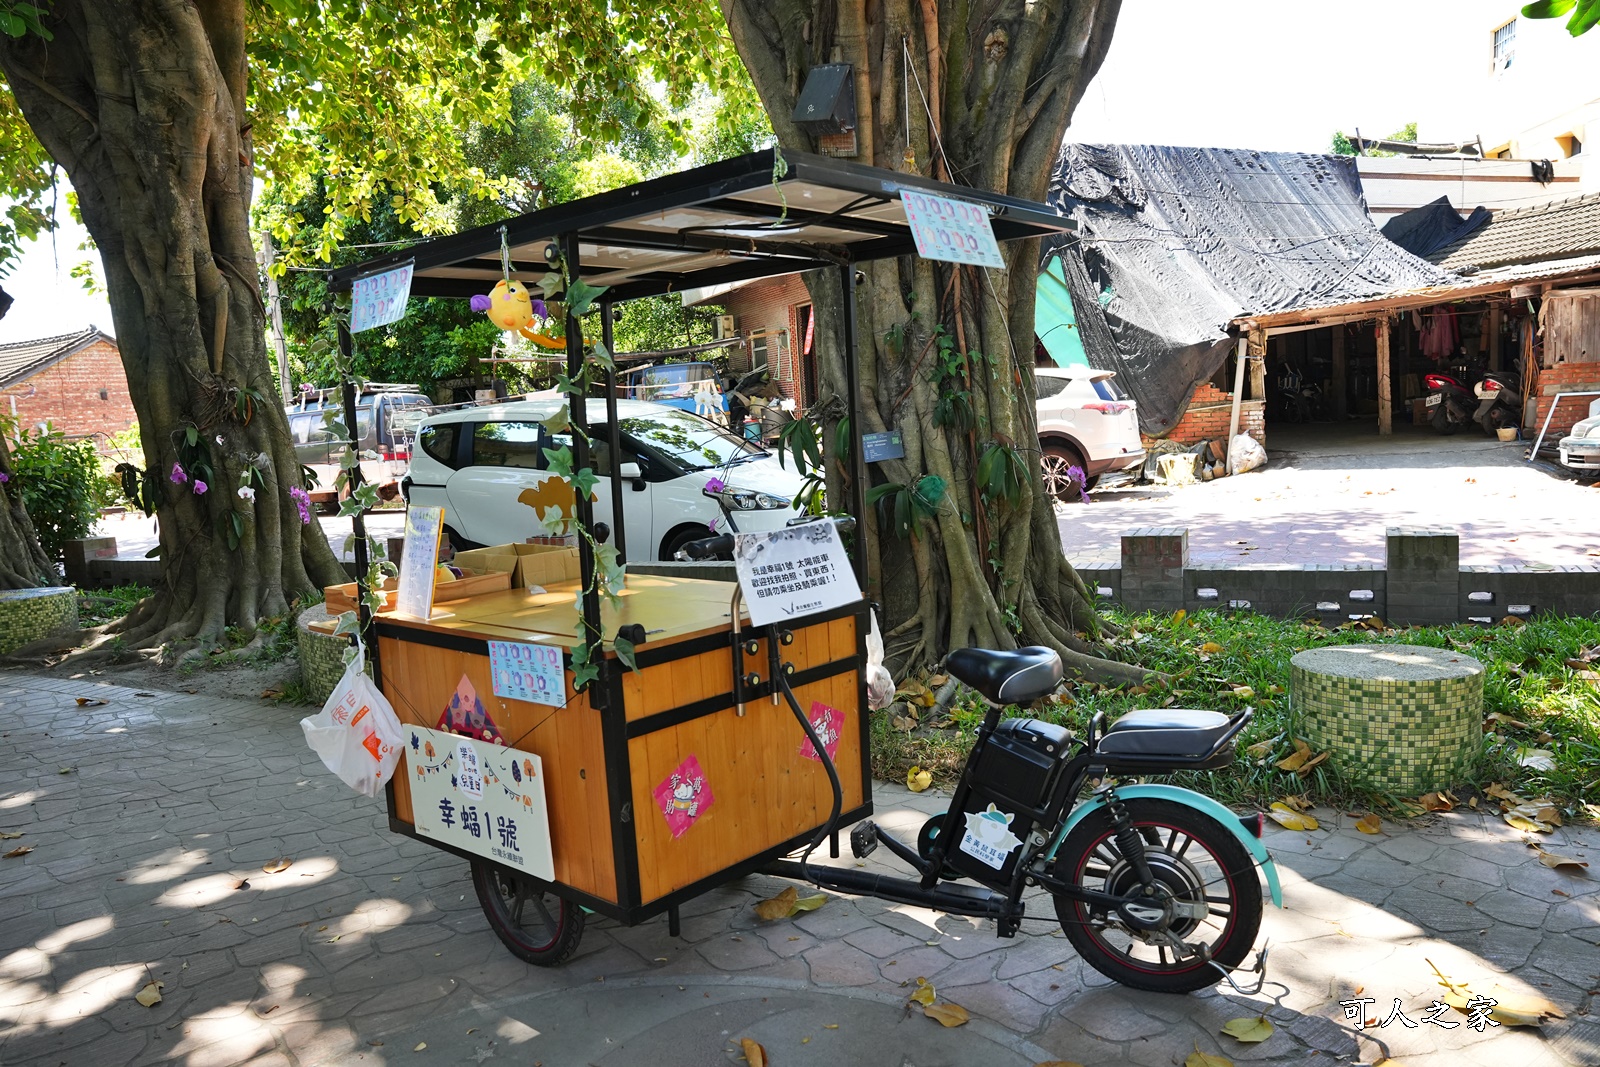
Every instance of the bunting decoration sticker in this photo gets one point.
(465, 715)
(829, 724)
(684, 797)
(481, 798)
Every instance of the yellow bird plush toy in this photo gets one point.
(511, 308)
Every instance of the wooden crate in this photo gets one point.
(342, 598)
(615, 849)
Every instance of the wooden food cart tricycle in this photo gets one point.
(658, 783)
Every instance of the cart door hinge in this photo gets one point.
(627, 811)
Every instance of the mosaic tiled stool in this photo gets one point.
(1397, 718)
(29, 614)
(321, 655)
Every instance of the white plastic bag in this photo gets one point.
(880, 683)
(1245, 454)
(356, 733)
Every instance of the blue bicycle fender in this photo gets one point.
(1203, 804)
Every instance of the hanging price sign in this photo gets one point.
(952, 230)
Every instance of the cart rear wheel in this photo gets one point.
(526, 915)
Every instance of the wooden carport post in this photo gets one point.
(1385, 405)
(1238, 391)
(1340, 397)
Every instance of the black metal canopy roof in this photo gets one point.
(749, 217)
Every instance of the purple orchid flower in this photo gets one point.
(178, 475)
(715, 485)
(200, 487)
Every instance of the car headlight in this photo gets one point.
(1587, 428)
(734, 498)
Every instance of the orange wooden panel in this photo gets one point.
(419, 679)
(764, 792)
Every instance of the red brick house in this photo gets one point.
(74, 382)
(773, 317)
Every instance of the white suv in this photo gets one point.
(1087, 421)
(682, 472)
(1580, 449)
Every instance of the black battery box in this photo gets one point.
(1016, 772)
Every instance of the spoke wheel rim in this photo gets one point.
(527, 909)
(1191, 875)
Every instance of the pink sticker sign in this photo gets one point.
(684, 797)
(829, 725)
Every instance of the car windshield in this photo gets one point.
(688, 440)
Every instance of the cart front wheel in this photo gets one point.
(528, 918)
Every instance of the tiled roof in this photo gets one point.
(21, 358)
(1560, 230)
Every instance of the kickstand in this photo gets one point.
(1259, 969)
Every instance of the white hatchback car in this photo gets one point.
(475, 462)
(1087, 421)
(1580, 449)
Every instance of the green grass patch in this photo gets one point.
(1539, 693)
(99, 606)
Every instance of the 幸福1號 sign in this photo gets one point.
(481, 798)
(796, 571)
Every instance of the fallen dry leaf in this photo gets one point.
(1178, 616)
(7, 835)
(754, 1054)
(278, 865)
(1290, 819)
(1243, 692)
(1292, 762)
(1538, 759)
(1440, 801)
(1211, 647)
(778, 907)
(150, 995)
(1297, 802)
(1260, 749)
(811, 903)
(1552, 859)
(947, 1014)
(1511, 1008)
(420, 1046)
(1500, 792)
(20, 850)
(918, 779)
(243, 883)
(1200, 1059)
(924, 993)
(1512, 620)
(1248, 1030)
(1305, 768)
(1494, 718)
(90, 702)
(1370, 824)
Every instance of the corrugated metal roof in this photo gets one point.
(1562, 230)
(20, 358)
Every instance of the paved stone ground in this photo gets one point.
(146, 813)
(1328, 494)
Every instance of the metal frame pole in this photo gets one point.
(619, 525)
(578, 414)
(358, 523)
(852, 387)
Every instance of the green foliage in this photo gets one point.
(109, 605)
(1531, 677)
(61, 484)
(903, 507)
(1344, 146)
(1002, 473)
(1585, 13)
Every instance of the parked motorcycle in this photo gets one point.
(1450, 404)
(1301, 400)
(1153, 884)
(1492, 403)
(1499, 402)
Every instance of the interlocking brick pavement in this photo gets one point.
(371, 944)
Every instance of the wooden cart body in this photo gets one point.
(614, 850)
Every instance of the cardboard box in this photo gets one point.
(529, 565)
(342, 598)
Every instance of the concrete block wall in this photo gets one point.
(1422, 583)
(1153, 562)
(1424, 567)
(1490, 593)
(1333, 593)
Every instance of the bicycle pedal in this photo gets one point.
(863, 839)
